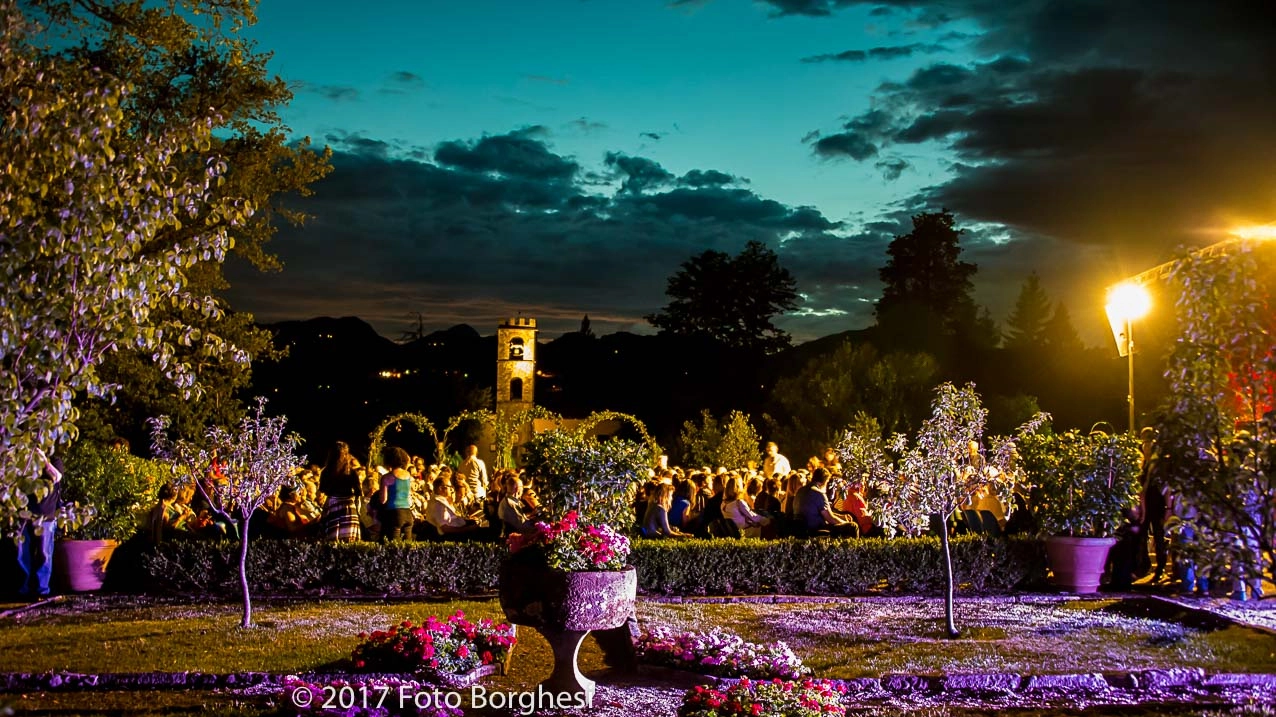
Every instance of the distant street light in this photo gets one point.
(1126, 302)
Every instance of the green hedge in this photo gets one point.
(689, 567)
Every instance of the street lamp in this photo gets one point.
(1126, 302)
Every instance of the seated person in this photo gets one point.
(768, 502)
(169, 517)
(441, 514)
(512, 511)
(680, 515)
(655, 523)
(814, 510)
(735, 506)
(854, 506)
(289, 519)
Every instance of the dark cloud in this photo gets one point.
(502, 224)
(891, 52)
(846, 144)
(1110, 132)
(641, 174)
(587, 126)
(892, 167)
(517, 154)
(335, 93)
(707, 178)
(403, 82)
(657, 136)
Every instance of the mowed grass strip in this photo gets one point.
(836, 639)
(906, 636)
(294, 637)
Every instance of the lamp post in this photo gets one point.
(1126, 302)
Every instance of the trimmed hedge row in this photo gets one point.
(686, 567)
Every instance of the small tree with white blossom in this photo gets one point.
(252, 463)
(944, 469)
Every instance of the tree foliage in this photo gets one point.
(821, 400)
(730, 300)
(1026, 325)
(945, 468)
(101, 223)
(1081, 484)
(731, 442)
(185, 62)
(235, 471)
(578, 472)
(1217, 445)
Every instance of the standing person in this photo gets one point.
(1154, 504)
(396, 496)
(35, 549)
(474, 472)
(775, 465)
(339, 480)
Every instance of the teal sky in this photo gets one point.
(497, 157)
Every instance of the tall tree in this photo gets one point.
(926, 301)
(1059, 335)
(101, 224)
(186, 60)
(730, 299)
(823, 398)
(1026, 325)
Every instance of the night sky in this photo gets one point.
(563, 158)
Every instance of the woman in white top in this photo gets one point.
(735, 506)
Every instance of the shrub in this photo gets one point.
(848, 566)
(454, 646)
(117, 485)
(776, 698)
(719, 653)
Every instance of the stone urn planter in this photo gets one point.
(80, 565)
(1077, 563)
(564, 607)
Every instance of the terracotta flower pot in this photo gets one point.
(1077, 563)
(81, 564)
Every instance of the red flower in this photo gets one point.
(487, 657)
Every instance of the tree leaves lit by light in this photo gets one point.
(81, 202)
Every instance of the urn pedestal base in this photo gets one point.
(564, 608)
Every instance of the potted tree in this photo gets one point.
(1081, 488)
(111, 488)
(569, 574)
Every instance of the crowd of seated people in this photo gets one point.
(406, 498)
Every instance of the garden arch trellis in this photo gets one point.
(422, 424)
(598, 417)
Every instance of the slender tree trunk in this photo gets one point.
(243, 573)
(948, 576)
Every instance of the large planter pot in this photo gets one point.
(1077, 563)
(538, 597)
(564, 607)
(80, 565)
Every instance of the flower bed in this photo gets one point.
(442, 649)
(568, 545)
(774, 698)
(372, 697)
(719, 653)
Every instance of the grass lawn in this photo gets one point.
(836, 639)
(906, 635)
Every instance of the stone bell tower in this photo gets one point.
(515, 365)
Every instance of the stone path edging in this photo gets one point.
(979, 683)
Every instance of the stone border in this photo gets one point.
(976, 684)
(1013, 683)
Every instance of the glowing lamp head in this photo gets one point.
(1265, 231)
(1128, 301)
